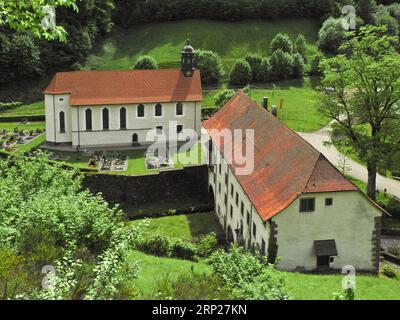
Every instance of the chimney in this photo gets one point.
(265, 103)
(274, 111)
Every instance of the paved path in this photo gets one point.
(356, 170)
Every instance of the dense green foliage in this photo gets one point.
(371, 125)
(129, 13)
(210, 66)
(241, 73)
(25, 56)
(46, 219)
(33, 16)
(145, 62)
(247, 276)
(331, 35)
(282, 42)
(222, 97)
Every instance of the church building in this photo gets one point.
(119, 108)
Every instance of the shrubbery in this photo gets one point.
(207, 244)
(281, 64)
(48, 220)
(389, 271)
(222, 97)
(157, 245)
(331, 35)
(247, 276)
(241, 73)
(145, 63)
(184, 250)
(162, 246)
(210, 66)
(282, 42)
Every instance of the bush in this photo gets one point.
(281, 64)
(393, 207)
(315, 68)
(301, 45)
(184, 250)
(221, 98)
(266, 69)
(241, 73)
(389, 271)
(157, 245)
(256, 64)
(281, 42)
(299, 66)
(145, 63)
(390, 22)
(207, 244)
(331, 35)
(210, 66)
(249, 277)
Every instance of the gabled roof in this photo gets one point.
(285, 164)
(125, 87)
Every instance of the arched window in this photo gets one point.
(135, 138)
(122, 118)
(106, 119)
(88, 116)
(158, 110)
(62, 122)
(179, 109)
(140, 111)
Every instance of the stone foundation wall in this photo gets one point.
(190, 182)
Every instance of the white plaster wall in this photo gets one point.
(217, 179)
(54, 104)
(76, 123)
(350, 221)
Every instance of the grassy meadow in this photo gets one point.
(163, 41)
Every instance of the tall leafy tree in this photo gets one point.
(35, 16)
(366, 99)
(367, 10)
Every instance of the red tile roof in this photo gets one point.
(285, 164)
(124, 87)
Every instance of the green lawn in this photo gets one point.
(187, 227)
(300, 286)
(156, 269)
(300, 108)
(163, 41)
(34, 109)
(322, 287)
(381, 198)
(9, 126)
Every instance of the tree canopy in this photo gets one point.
(366, 97)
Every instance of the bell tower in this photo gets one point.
(187, 61)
